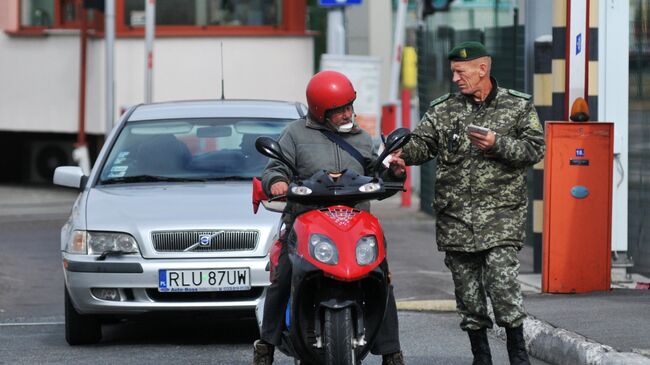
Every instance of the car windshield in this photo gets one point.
(189, 150)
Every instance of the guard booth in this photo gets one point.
(577, 207)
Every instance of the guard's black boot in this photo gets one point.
(480, 347)
(517, 346)
(396, 358)
(262, 353)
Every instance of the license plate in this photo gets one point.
(204, 280)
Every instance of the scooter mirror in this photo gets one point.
(397, 139)
(270, 148)
(394, 141)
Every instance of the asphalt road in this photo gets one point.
(31, 273)
(426, 339)
(31, 309)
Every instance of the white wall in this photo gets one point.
(40, 76)
(370, 33)
(381, 40)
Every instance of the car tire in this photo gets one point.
(80, 329)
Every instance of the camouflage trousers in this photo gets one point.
(492, 273)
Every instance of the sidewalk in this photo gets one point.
(594, 328)
(44, 201)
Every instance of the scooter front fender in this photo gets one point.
(345, 227)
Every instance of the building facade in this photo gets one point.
(267, 53)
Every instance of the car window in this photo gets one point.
(189, 150)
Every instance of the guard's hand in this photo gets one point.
(279, 188)
(483, 142)
(397, 164)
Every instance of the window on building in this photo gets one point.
(173, 17)
(206, 13)
(52, 14)
(69, 16)
(37, 13)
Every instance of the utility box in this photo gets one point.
(577, 207)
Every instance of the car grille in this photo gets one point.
(204, 241)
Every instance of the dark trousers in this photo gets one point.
(277, 296)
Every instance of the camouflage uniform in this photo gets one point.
(480, 196)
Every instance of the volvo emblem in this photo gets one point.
(204, 240)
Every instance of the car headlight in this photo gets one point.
(323, 249)
(366, 250)
(96, 243)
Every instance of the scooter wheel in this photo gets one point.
(338, 334)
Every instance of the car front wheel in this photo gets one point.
(80, 329)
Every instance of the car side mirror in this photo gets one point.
(270, 148)
(70, 176)
(397, 139)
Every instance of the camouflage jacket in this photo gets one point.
(480, 197)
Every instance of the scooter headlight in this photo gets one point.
(369, 187)
(301, 190)
(323, 249)
(367, 250)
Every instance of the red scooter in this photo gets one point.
(339, 288)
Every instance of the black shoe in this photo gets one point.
(262, 353)
(517, 346)
(396, 358)
(480, 347)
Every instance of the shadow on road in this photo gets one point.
(181, 329)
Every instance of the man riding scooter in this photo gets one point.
(326, 139)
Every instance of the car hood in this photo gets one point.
(140, 209)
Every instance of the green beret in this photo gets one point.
(466, 51)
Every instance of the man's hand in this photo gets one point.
(483, 142)
(397, 164)
(279, 188)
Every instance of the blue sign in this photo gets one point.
(580, 152)
(338, 2)
(578, 43)
(162, 275)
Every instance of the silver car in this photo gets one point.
(164, 222)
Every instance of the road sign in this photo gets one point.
(338, 2)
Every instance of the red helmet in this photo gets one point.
(328, 90)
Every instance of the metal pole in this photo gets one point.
(398, 43)
(406, 123)
(149, 31)
(80, 152)
(109, 20)
(83, 35)
(335, 31)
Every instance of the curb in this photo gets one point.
(546, 342)
(427, 305)
(560, 346)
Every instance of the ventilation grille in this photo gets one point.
(204, 241)
(341, 215)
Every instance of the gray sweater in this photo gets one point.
(311, 151)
